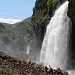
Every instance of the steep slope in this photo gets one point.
(5, 39)
(14, 38)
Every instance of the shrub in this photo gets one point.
(2, 72)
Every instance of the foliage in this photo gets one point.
(45, 20)
(2, 27)
(55, 2)
(18, 35)
(33, 8)
(51, 4)
(23, 32)
(2, 72)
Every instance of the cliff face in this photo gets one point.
(72, 10)
(42, 12)
(71, 14)
(39, 11)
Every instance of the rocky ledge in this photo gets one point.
(12, 66)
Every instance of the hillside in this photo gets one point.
(15, 38)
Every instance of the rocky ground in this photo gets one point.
(17, 67)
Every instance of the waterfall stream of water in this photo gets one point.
(55, 44)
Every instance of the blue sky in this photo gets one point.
(16, 9)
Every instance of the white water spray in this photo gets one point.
(55, 45)
(28, 49)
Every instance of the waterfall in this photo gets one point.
(28, 49)
(55, 44)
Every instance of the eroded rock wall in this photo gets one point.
(71, 14)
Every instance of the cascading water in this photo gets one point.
(55, 45)
(28, 49)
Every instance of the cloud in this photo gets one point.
(9, 21)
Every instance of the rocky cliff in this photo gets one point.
(42, 12)
(71, 14)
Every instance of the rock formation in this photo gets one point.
(71, 14)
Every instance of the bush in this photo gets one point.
(2, 72)
(51, 4)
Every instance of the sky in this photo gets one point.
(16, 9)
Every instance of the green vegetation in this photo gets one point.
(24, 32)
(55, 1)
(2, 27)
(44, 22)
(2, 72)
(18, 36)
(51, 4)
(45, 19)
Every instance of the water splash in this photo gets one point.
(28, 49)
(55, 44)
